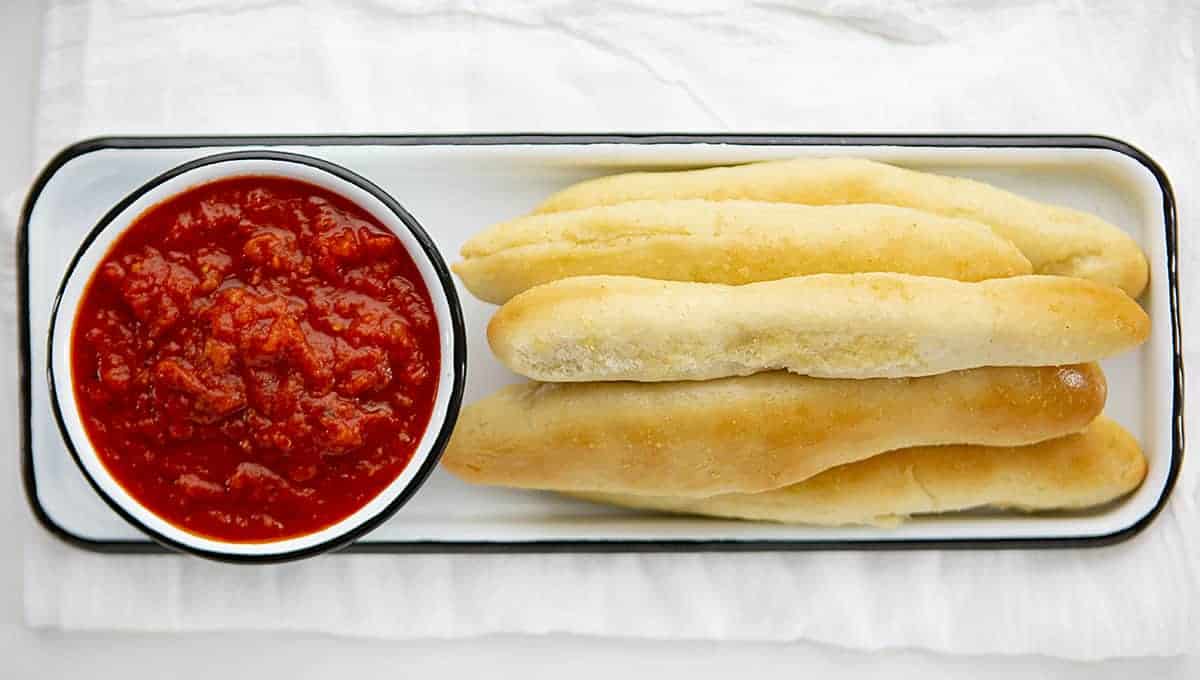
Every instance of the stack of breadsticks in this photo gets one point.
(824, 341)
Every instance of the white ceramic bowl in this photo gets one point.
(337, 179)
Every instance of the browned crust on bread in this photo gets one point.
(1057, 240)
(731, 242)
(1096, 466)
(754, 433)
(825, 325)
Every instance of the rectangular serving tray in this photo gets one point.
(456, 185)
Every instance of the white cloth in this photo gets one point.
(323, 66)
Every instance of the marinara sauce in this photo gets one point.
(255, 358)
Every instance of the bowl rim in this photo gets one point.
(456, 362)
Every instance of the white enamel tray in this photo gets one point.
(456, 185)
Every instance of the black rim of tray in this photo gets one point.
(994, 141)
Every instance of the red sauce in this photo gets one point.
(255, 359)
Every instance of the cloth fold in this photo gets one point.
(322, 66)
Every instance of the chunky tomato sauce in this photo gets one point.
(255, 359)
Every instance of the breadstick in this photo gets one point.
(1096, 466)
(824, 325)
(1056, 240)
(731, 242)
(751, 434)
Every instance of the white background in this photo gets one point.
(26, 653)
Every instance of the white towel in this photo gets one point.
(324, 66)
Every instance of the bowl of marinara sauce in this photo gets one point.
(257, 356)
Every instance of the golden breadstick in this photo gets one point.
(751, 434)
(1056, 240)
(1096, 466)
(730, 242)
(824, 325)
